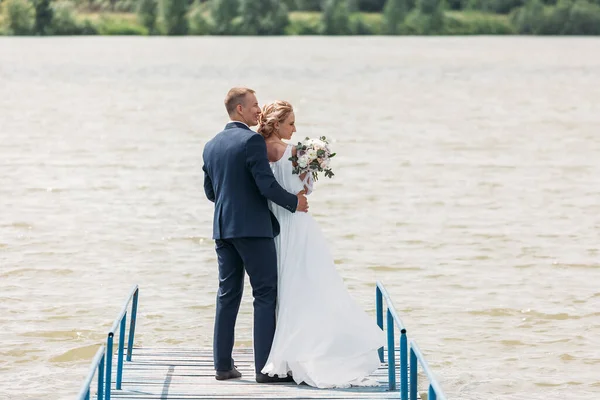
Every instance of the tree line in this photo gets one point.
(300, 17)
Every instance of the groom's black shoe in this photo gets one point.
(264, 378)
(231, 374)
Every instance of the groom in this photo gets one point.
(238, 179)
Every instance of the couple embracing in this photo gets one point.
(307, 328)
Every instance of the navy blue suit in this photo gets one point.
(238, 179)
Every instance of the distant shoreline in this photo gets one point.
(302, 23)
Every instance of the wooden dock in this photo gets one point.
(142, 373)
(181, 374)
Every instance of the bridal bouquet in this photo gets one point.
(313, 155)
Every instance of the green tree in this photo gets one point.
(278, 18)
(557, 18)
(336, 18)
(432, 16)
(266, 17)
(394, 14)
(223, 13)
(252, 13)
(371, 5)
(199, 25)
(584, 19)
(147, 13)
(530, 18)
(18, 16)
(495, 6)
(63, 19)
(456, 4)
(429, 7)
(43, 17)
(291, 4)
(174, 16)
(309, 5)
(567, 17)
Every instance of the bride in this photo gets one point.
(323, 338)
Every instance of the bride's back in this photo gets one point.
(282, 168)
(275, 150)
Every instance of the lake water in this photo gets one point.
(467, 180)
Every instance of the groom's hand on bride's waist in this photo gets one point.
(302, 201)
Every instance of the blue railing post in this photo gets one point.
(103, 360)
(97, 368)
(391, 351)
(379, 307)
(121, 346)
(431, 395)
(403, 365)
(101, 378)
(408, 385)
(132, 324)
(434, 388)
(413, 375)
(109, 353)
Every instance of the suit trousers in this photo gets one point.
(256, 256)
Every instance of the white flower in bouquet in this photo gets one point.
(313, 155)
(303, 161)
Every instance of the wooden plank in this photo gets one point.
(187, 373)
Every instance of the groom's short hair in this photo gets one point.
(236, 96)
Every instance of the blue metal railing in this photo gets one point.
(120, 324)
(435, 391)
(103, 360)
(393, 320)
(97, 365)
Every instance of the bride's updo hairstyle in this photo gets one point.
(272, 113)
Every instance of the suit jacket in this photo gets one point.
(239, 180)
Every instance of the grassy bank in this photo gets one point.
(111, 23)
(478, 23)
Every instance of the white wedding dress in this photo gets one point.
(323, 338)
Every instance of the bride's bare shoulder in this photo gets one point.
(275, 151)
